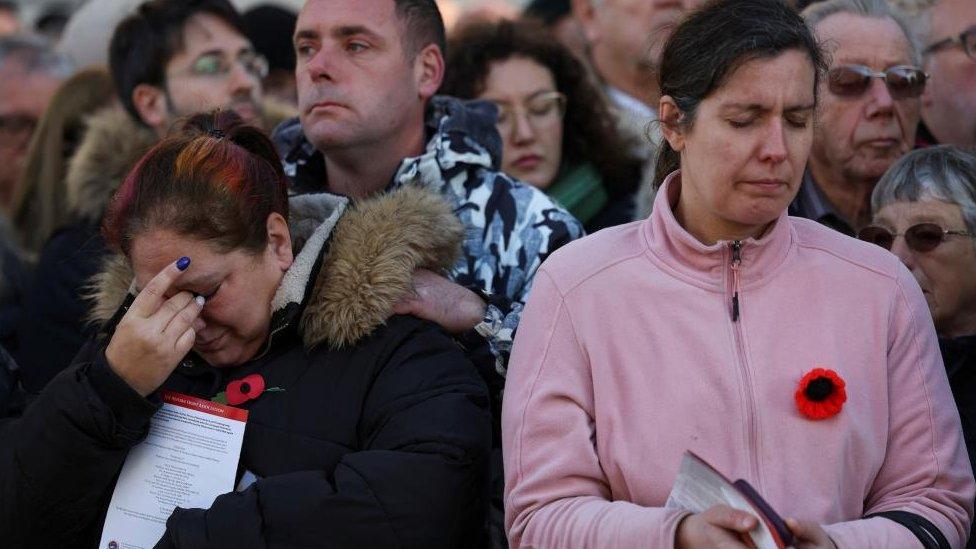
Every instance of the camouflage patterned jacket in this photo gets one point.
(511, 226)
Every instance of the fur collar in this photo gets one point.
(374, 248)
(112, 144)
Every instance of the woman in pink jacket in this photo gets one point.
(712, 326)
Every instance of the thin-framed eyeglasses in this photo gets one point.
(218, 65)
(542, 110)
(922, 237)
(903, 81)
(966, 40)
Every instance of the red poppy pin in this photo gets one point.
(820, 394)
(242, 390)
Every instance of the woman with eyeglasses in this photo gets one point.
(925, 213)
(780, 351)
(556, 129)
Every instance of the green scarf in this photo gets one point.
(580, 190)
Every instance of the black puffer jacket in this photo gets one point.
(379, 439)
(959, 355)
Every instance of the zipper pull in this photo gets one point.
(736, 262)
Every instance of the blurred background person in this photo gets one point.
(557, 133)
(169, 59)
(270, 29)
(9, 18)
(948, 31)
(925, 213)
(484, 11)
(557, 16)
(869, 111)
(40, 204)
(624, 39)
(30, 73)
(85, 38)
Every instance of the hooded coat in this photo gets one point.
(380, 437)
(55, 327)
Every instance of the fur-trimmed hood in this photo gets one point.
(112, 144)
(372, 250)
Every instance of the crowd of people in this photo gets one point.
(502, 274)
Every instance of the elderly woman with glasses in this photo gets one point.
(556, 128)
(925, 213)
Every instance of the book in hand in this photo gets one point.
(699, 486)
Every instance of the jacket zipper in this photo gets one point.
(736, 263)
(752, 436)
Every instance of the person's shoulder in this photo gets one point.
(845, 252)
(594, 257)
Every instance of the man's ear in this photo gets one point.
(671, 119)
(279, 241)
(585, 12)
(429, 71)
(151, 104)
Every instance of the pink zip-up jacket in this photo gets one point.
(628, 355)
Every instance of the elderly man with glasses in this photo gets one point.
(948, 29)
(869, 109)
(925, 213)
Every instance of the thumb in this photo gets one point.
(730, 519)
(801, 530)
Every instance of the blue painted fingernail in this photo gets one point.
(182, 263)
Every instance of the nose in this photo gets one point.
(320, 67)
(900, 248)
(522, 131)
(773, 147)
(241, 80)
(881, 103)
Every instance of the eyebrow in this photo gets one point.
(756, 107)
(346, 31)
(220, 53)
(529, 97)
(343, 31)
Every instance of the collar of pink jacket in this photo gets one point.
(705, 265)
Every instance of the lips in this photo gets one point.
(527, 162)
(767, 185)
(211, 344)
(324, 105)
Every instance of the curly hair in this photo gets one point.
(590, 134)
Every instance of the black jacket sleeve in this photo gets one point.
(420, 479)
(61, 457)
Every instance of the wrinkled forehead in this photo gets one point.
(927, 209)
(878, 42)
(322, 18)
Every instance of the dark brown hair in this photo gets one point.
(216, 180)
(708, 47)
(145, 42)
(424, 25)
(589, 135)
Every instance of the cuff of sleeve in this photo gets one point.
(870, 533)
(131, 411)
